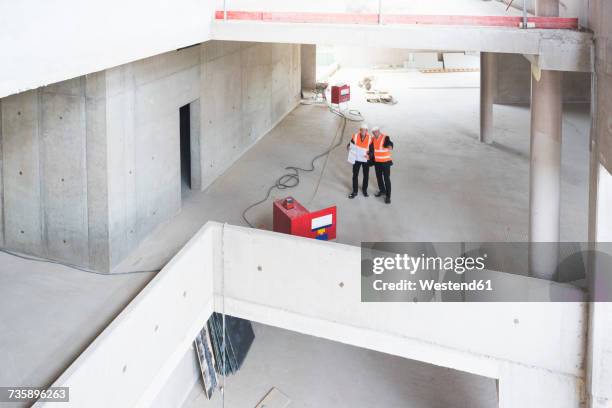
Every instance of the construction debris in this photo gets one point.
(239, 336)
(207, 362)
(320, 88)
(219, 354)
(367, 82)
(380, 97)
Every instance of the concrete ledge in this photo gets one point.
(558, 50)
(310, 287)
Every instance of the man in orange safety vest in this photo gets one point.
(382, 149)
(363, 142)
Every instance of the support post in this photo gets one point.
(487, 94)
(545, 174)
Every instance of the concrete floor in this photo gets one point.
(49, 314)
(314, 373)
(447, 186)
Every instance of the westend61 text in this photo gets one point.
(430, 284)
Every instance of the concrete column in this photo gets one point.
(308, 56)
(487, 93)
(547, 8)
(545, 173)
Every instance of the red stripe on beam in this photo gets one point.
(239, 15)
(338, 18)
(353, 18)
(555, 22)
(495, 21)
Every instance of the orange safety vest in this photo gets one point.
(381, 153)
(365, 144)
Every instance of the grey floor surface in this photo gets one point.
(318, 373)
(447, 186)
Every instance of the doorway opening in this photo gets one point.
(185, 147)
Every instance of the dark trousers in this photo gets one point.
(383, 177)
(366, 176)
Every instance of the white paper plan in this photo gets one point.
(357, 153)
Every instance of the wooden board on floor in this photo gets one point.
(274, 399)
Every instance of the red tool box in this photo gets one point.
(340, 93)
(290, 217)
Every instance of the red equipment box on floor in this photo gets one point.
(340, 93)
(290, 217)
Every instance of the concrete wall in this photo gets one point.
(140, 350)
(567, 8)
(91, 166)
(514, 82)
(273, 278)
(601, 24)
(361, 57)
(53, 171)
(143, 101)
(370, 57)
(308, 56)
(246, 88)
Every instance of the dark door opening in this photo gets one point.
(185, 129)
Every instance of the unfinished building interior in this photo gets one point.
(139, 167)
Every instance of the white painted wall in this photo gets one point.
(44, 42)
(536, 350)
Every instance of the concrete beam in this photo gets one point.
(558, 50)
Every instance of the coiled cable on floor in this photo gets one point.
(292, 179)
(69, 265)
